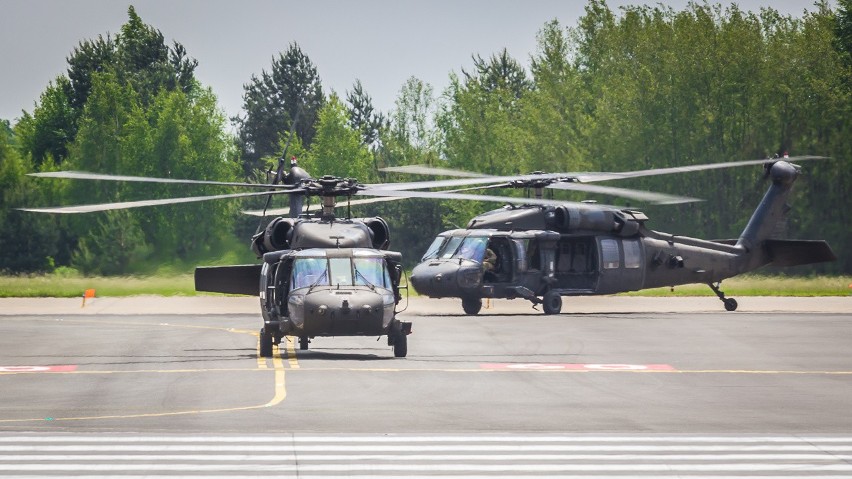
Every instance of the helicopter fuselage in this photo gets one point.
(329, 292)
(545, 252)
(319, 277)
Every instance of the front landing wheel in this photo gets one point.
(265, 344)
(471, 306)
(730, 304)
(400, 345)
(551, 303)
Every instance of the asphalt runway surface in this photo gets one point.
(611, 374)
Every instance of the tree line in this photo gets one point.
(642, 87)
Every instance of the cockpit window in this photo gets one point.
(449, 248)
(341, 271)
(472, 248)
(433, 249)
(371, 272)
(309, 272)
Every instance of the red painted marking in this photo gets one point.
(38, 369)
(577, 367)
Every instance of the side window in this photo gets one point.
(609, 254)
(632, 254)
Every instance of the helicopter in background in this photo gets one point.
(542, 253)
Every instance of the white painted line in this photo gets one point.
(284, 446)
(305, 468)
(391, 438)
(427, 457)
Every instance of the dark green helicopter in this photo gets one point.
(542, 252)
(318, 275)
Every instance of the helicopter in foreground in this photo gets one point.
(319, 275)
(542, 253)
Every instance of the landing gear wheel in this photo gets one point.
(730, 303)
(552, 303)
(400, 345)
(265, 344)
(471, 306)
(303, 342)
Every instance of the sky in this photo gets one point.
(380, 43)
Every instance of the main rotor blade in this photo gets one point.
(658, 198)
(366, 201)
(583, 177)
(82, 175)
(138, 204)
(463, 196)
(481, 180)
(591, 177)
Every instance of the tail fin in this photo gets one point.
(755, 239)
(772, 208)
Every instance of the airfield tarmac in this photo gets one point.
(627, 368)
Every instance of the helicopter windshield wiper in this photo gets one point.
(369, 284)
(317, 282)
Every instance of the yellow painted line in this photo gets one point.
(280, 388)
(277, 362)
(280, 391)
(132, 416)
(291, 352)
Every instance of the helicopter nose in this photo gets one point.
(440, 279)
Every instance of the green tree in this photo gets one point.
(554, 112)
(483, 129)
(89, 57)
(271, 103)
(182, 136)
(362, 116)
(337, 148)
(410, 137)
(27, 243)
(138, 57)
(177, 136)
(843, 30)
(500, 72)
(46, 133)
(145, 61)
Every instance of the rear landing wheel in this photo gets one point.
(471, 306)
(730, 303)
(303, 342)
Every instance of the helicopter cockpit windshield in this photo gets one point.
(345, 271)
(471, 248)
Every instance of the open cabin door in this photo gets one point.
(577, 264)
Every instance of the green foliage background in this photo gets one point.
(641, 87)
